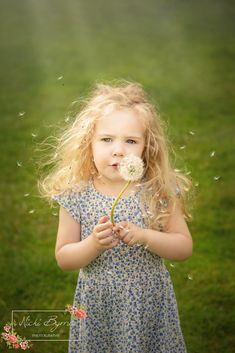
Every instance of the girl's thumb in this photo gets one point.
(103, 219)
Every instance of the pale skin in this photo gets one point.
(117, 135)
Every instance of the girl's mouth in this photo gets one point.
(115, 165)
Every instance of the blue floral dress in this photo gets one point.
(127, 290)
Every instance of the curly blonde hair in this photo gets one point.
(73, 165)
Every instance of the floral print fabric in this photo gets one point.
(127, 291)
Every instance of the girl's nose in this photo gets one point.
(118, 150)
(117, 154)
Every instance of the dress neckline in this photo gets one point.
(110, 197)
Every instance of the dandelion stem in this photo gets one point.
(115, 202)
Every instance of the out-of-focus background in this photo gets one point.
(52, 53)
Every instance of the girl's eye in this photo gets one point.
(132, 141)
(106, 139)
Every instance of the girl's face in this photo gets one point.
(116, 135)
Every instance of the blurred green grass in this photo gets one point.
(183, 54)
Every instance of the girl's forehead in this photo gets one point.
(125, 119)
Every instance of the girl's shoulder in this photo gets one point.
(75, 192)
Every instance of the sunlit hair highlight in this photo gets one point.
(72, 161)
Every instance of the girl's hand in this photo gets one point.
(129, 233)
(103, 235)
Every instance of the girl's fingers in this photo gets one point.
(103, 219)
(108, 241)
(101, 227)
(104, 234)
(122, 225)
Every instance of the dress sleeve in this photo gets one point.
(71, 203)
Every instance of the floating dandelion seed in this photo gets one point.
(26, 195)
(190, 277)
(34, 135)
(20, 114)
(212, 154)
(19, 164)
(60, 78)
(172, 265)
(192, 132)
(54, 214)
(182, 147)
(177, 170)
(189, 172)
(196, 184)
(67, 119)
(217, 177)
(31, 211)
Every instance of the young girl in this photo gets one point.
(123, 282)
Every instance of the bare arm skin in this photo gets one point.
(71, 252)
(175, 244)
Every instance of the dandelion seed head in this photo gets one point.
(172, 265)
(192, 132)
(131, 168)
(19, 164)
(26, 195)
(182, 147)
(60, 77)
(20, 114)
(190, 277)
(31, 211)
(217, 177)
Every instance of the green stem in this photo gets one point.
(115, 202)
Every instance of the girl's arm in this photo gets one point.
(71, 252)
(174, 244)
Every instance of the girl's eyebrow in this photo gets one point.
(133, 137)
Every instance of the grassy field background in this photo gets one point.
(52, 52)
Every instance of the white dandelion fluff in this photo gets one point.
(131, 168)
(190, 277)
